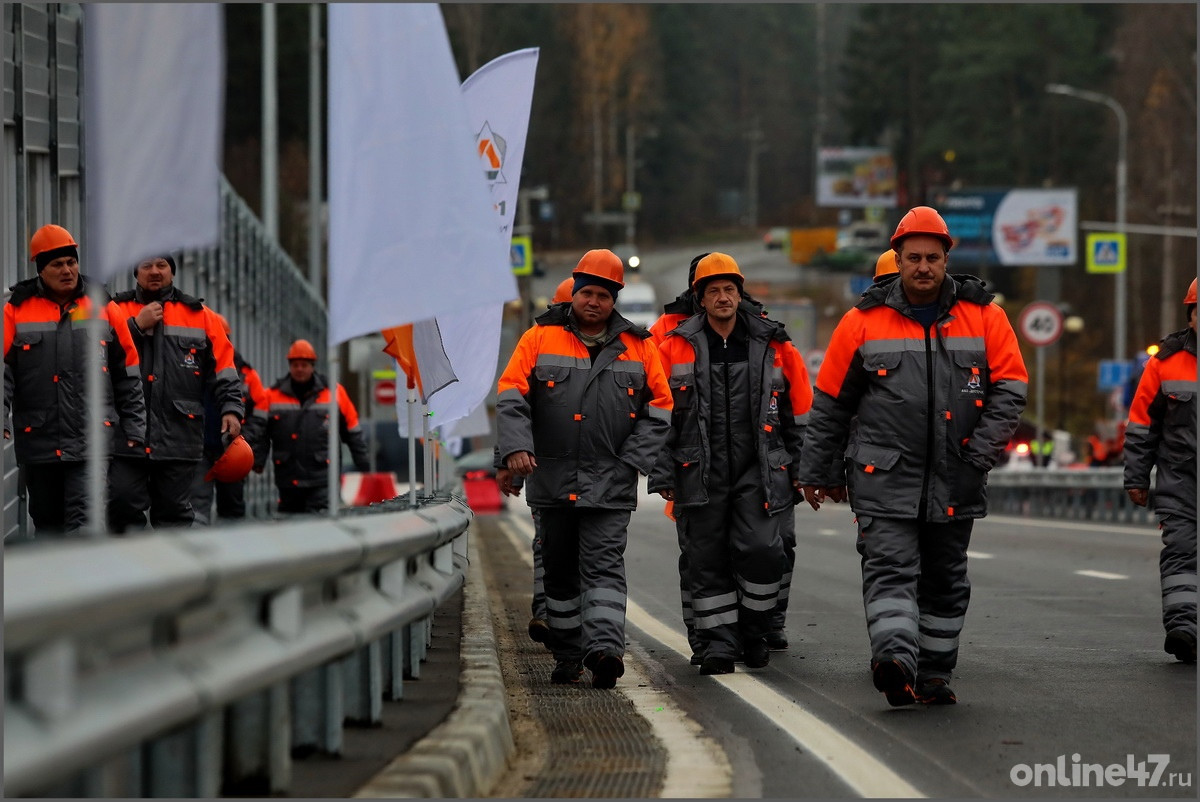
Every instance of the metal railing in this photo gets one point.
(191, 663)
(1092, 494)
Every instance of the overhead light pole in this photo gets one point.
(1122, 190)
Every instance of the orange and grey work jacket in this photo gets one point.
(45, 371)
(297, 431)
(591, 425)
(181, 356)
(932, 410)
(779, 399)
(1162, 426)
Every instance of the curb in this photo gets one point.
(466, 754)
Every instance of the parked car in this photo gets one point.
(639, 303)
(629, 255)
(776, 239)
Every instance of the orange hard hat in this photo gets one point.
(563, 292)
(602, 263)
(234, 464)
(1190, 298)
(50, 238)
(717, 265)
(922, 220)
(302, 349)
(886, 263)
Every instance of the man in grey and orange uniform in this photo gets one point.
(741, 400)
(46, 344)
(928, 370)
(297, 432)
(1162, 433)
(583, 406)
(184, 351)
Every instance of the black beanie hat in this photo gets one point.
(46, 257)
(583, 279)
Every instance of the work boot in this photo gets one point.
(566, 672)
(605, 668)
(776, 641)
(894, 680)
(756, 652)
(539, 630)
(1181, 644)
(935, 691)
(715, 664)
(697, 658)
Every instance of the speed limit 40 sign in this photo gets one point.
(1041, 323)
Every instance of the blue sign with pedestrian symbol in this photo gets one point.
(521, 256)
(1106, 253)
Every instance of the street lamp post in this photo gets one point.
(1122, 141)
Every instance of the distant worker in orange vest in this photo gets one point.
(298, 409)
(887, 264)
(1162, 434)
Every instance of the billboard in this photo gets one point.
(856, 177)
(1016, 227)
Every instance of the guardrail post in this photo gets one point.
(258, 758)
(443, 558)
(363, 683)
(317, 710)
(119, 776)
(393, 665)
(185, 762)
(414, 641)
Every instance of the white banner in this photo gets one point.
(499, 96)
(411, 232)
(153, 111)
(1036, 227)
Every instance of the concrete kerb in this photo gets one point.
(466, 754)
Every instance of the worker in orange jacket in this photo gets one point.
(1161, 434)
(184, 353)
(920, 390)
(45, 389)
(297, 432)
(583, 406)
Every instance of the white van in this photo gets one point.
(639, 304)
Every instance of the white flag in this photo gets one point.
(153, 119)
(499, 96)
(411, 232)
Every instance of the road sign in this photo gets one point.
(1113, 373)
(1041, 323)
(1106, 253)
(520, 254)
(385, 391)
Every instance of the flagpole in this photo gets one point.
(335, 443)
(428, 475)
(412, 444)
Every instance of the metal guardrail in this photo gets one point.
(1091, 494)
(191, 663)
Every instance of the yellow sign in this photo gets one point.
(1106, 253)
(520, 255)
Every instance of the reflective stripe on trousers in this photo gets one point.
(915, 590)
(583, 562)
(1177, 569)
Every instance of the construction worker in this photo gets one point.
(230, 496)
(46, 347)
(297, 433)
(184, 353)
(741, 400)
(583, 407)
(921, 388)
(886, 264)
(1161, 434)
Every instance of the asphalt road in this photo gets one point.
(1053, 662)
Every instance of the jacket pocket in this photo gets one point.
(882, 363)
(682, 391)
(779, 481)
(29, 421)
(689, 474)
(552, 383)
(868, 473)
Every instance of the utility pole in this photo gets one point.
(315, 233)
(630, 165)
(270, 126)
(757, 145)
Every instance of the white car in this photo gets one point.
(639, 304)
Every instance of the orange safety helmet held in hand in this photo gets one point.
(234, 464)
(922, 220)
(302, 349)
(50, 238)
(563, 293)
(1190, 298)
(717, 265)
(886, 263)
(602, 263)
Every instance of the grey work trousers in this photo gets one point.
(915, 590)
(1177, 570)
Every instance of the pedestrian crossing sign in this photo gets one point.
(520, 254)
(1106, 253)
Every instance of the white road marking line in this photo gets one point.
(1150, 530)
(829, 532)
(697, 766)
(1101, 575)
(858, 768)
(979, 555)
